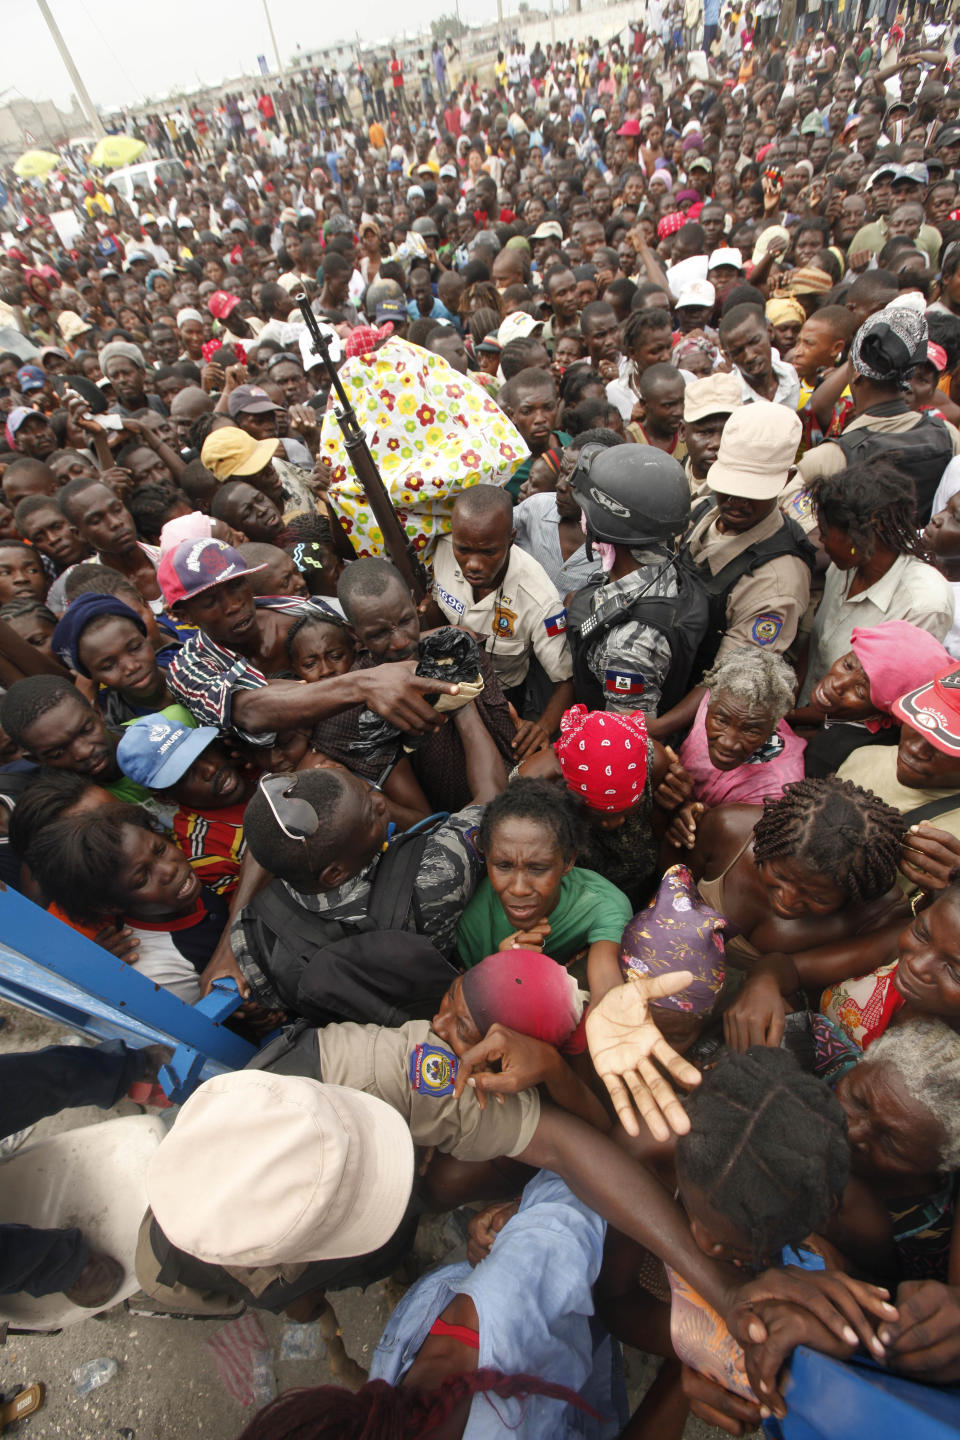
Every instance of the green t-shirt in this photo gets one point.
(589, 909)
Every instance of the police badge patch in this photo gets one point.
(766, 628)
(433, 1070)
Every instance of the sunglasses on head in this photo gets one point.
(297, 818)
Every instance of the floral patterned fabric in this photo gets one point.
(432, 433)
(863, 1006)
(678, 931)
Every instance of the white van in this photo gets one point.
(131, 178)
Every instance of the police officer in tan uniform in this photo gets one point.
(487, 584)
(755, 564)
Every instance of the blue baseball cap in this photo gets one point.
(157, 751)
(30, 377)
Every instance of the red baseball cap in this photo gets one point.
(197, 565)
(222, 303)
(934, 710)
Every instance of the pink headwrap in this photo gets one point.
(897, 657)
(195, 526)
(527, 992)
(603, 757)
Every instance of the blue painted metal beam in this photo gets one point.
(38, 952)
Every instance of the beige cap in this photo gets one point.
(71, 326)
(263, 1169)
(716, 394)
(757, 448)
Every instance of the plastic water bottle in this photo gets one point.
(262, 1379)
(94, 1374)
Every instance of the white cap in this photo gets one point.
(698, 292)
(548, 230)
(685, 272)
(517, 326)
(725, 256)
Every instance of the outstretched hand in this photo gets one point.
(624, 1044)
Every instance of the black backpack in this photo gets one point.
(681, 618)
(788, 540)
(376, 971)
(921, 454)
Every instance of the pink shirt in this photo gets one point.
(778, 762)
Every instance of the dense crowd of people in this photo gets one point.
(607, 877)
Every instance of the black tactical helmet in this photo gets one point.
(631, 494)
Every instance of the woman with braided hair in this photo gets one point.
(878, 569)
(808, 882)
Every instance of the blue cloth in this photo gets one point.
(65, 639)
(438, 311)
(534, 1303)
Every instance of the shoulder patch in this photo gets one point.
(801, 505)
(766, 628)
(556, 624)
(433, 1070)
(451, 601)
(623, 682)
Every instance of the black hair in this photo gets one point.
(870, 501)
(640, 323)
(577, 379)
(586, 416)
(738, 315)
(198, 483)
(874, 287)
(77, 861)
(516, 355)
(742, 295)
(479, 501)
(837, 829)
(43, 801)
(89, 578)
(73, 488)
(28, 699)
(596, 310)
(768, 1148)
(943, 330)
(150, 507)
(657, 375)
(19, 545)
(294, 861)
(305, 528)
(16, 609)
(623, 289)
(599, 436)
(366, 579)
(305, 621)
(542, 801)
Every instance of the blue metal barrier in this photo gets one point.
(48, 968)
(832, 1400)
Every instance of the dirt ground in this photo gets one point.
(167, 1386)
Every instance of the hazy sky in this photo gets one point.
(126, 53)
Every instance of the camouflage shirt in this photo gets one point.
(450, 869)
(631, 661)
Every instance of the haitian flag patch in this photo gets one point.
(556, 624)
(623, 682)
(433, 1070)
